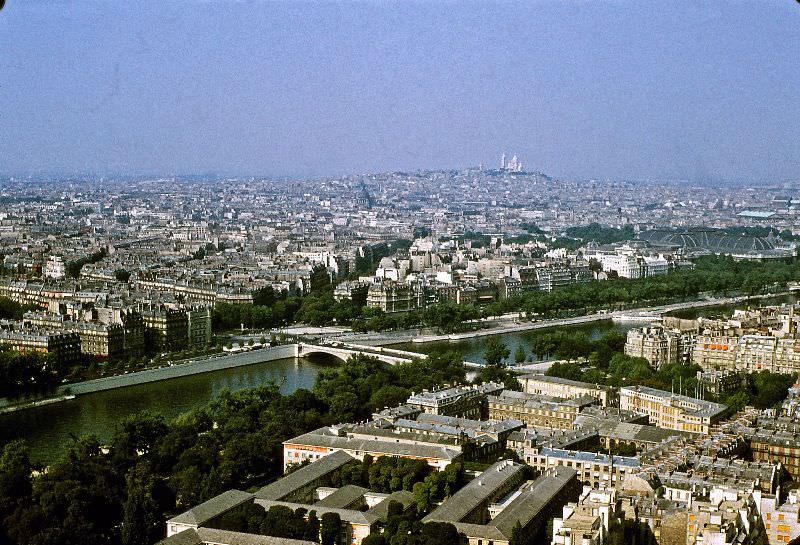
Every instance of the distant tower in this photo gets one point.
(503, 162)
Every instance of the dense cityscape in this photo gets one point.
(353, 272)
(674, 428)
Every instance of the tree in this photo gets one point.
(138, 434)
(736, 401)
(141, 513)
(496, 351)
(770, 388)
(15, 480)
(345, 406)
(78, 501)
(312, 528)
(519, 354)
(374, 539)
(388, 396)
(330, 529)
(571, 371)
(439, 533)
(517, 535)
(122, 275)
(425, 494)
(277, 521)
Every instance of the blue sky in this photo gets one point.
(693, 90)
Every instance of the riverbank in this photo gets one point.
(193, 367)
(228, 361)
(620, 315)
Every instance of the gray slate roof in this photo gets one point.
(381, 510)
(352, 516)
(484, 486)
(387, 447)
(343, 497)
(300, 478)
(200, 514)
(204, 536)
(533, 499)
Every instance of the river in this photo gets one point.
(48, 428)
(474, 348)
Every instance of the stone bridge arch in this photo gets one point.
(313, 352)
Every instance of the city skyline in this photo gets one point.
(577, 91)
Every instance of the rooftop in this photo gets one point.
(212, 536)
(300, 478)
(480, 489)
(534, 498)
(200, 514)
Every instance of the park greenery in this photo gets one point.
(495, 368)
(278, 521)
(73, 268)
(27, 372)
(11, 310)
(575, 237)
(573, 345)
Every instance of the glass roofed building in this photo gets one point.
(704, 241)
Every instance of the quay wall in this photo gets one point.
(194, 367)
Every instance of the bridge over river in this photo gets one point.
(343, 351)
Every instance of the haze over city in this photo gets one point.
(623, 90)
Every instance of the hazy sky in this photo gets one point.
(697, 90)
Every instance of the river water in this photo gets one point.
(473, 349)
(47, 429)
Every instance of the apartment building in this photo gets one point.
(715, 351)
(390, 297)
(781, 520)
(198, 327)
(166, 330)
(774, 444)
(459, 401)
(537, 410)
(567, 389)
(436, 450)
(105, 341)
(626, 266)
(553, 276)
(586, 522)
(64, 347)
(593, 469)
(658, 346)
(671, 411)
(55, 267)
(133, 327)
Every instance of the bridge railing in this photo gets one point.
(388, 354)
